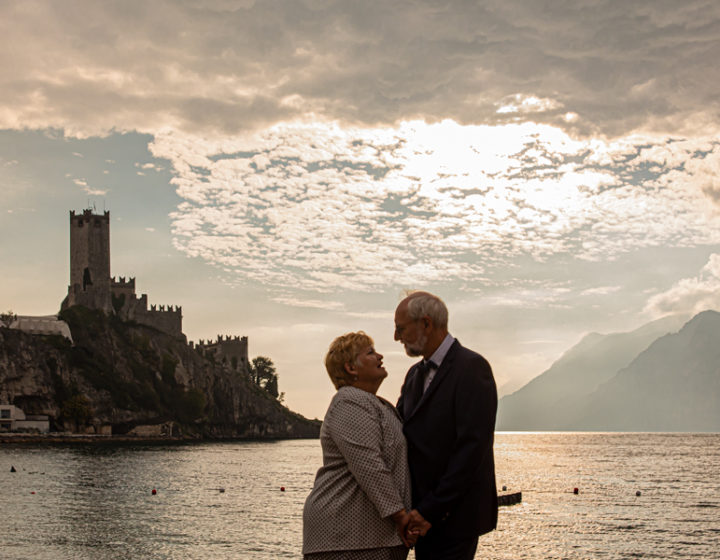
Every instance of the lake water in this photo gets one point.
(96, 502)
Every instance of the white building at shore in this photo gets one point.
(13, 419)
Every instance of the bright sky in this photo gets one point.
(285, 170)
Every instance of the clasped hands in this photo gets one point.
(410, 526)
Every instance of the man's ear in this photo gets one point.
(427, 322)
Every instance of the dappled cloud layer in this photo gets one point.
(320, 206)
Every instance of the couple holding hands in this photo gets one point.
(420, 474)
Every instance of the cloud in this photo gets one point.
(89, 190)
(296, 301)
(527, 104)
(690, 294)
(601, 291)
(706, 173)
(149, 165)
(321, 207)
(218, 68)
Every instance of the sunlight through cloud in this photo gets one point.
(321, 207)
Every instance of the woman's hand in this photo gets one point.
(401, 519)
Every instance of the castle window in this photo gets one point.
(5, 413)
(80, 223)
(87, 280)
(97, 223)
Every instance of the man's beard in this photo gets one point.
(416, 349)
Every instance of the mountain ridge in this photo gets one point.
(577, 392)
(674, 385)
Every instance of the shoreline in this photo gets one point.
(66, 437)
(69, 438)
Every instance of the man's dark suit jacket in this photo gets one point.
(450, 446)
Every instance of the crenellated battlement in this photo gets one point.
(232, 349)
(220, 338)
(122, 284)
(88, 214)
(165, 309)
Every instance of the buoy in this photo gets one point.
(32, 492)
(504, 488)
(222, 490)
(638, 493)
(12, 468)
(576, 491)
(282, 489)
(154, 491)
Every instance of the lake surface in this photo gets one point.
(95, 502)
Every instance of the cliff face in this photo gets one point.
(127, 375)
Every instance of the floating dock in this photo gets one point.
(509, 499)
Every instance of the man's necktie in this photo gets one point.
(417, 386)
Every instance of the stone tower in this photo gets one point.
(89, 261)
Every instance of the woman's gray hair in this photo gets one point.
(420, 304)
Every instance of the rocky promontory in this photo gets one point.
(128, 379)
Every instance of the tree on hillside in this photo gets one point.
(263, 374)
(272, 386)
(77, 410)
(7, 319)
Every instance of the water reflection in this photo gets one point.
(97, 503)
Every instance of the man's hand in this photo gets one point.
(417, 525)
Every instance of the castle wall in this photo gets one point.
(228, 348)
(122, 286)
(167, 320)
(164, 318)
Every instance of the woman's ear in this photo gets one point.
(350, 368)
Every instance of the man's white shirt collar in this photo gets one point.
(442, 350)
(438, 357)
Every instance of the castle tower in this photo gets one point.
(89, 261)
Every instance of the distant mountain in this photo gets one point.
(550, 401)
(674, 385)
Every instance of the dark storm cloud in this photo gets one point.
(220, 66)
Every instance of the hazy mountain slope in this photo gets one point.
(544, 403)
(674, 385)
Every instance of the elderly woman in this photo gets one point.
(357, 507)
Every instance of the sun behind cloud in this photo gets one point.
(311, 205)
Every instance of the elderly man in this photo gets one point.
(448, 404)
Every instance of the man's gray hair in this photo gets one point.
(420, 304)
